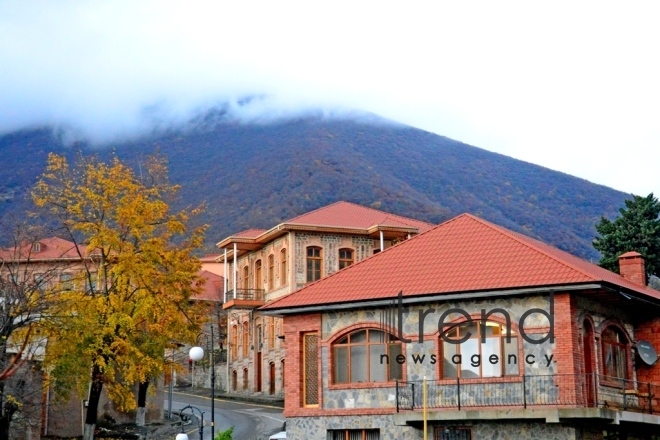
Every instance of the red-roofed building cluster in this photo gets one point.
(496, 334)
(262, 266)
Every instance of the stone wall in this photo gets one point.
(536, 327)
(316, 428)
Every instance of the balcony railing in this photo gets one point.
(244, 298)
(565, 390)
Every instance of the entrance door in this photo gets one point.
(588, 348)
(258, 388)
(258, 360)
(272, 378)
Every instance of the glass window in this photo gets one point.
(258, 280)
(234, 342)
(353, 434)
(65, 280)
(345, 258)
(615, 353)
(91, 283)
(313, 264)
(283, 270)
(366, 356)
(493, 357)
(271, 334)
(271, 272)
(246, 337)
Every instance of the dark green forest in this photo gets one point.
(258, 175)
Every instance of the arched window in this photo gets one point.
(615, 353)
(283, 269)
(366, 356)
(345, 258)
(474, 358)
(271, 272)
(246, 379)
(246, 337)
(234, 342)
(246, 277)
(271, 334)
(258, 280)
(314, 263)
(234, 380)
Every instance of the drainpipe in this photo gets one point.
(382, 242)
(224, 284)
(235, 267)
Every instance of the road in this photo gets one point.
(250, 421)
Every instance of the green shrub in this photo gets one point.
(224, 435)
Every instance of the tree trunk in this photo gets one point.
(5, 420)
(7, 408)
(4, 428)
(141, 403)
(93, 404)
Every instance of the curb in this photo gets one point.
(279, 404)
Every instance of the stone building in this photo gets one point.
(264, 265)
(497, 335)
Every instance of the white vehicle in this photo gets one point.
(280, 435)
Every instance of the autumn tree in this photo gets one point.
(119, 328)
(636, 229)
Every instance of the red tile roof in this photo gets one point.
(464, 254)
(350, 215)
(51, 248)
(212, 289)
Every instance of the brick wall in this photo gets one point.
(294, 328)
(649, 331)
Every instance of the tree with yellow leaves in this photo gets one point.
(117, 327)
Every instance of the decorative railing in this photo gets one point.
(566, 390)
(245, 295)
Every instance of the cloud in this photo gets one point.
(564, 85)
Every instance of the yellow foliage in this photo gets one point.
(146, 273)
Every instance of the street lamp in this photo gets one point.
(197, 354)
(183, 435)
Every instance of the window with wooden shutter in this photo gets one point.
(310, 370)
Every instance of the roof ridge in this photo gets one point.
(363, 207)
(387, 217)
(532, 246)
(314, 210)
(390, 213)
(398, 245)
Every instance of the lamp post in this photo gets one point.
(197, 354)
(183, 435)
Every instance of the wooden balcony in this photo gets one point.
(244, 299)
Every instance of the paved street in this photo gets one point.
(250, 422)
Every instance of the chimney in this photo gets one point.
(631, 267)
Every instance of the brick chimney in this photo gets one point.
(631, 267)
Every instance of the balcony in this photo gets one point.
(578, 396)
(244, 299)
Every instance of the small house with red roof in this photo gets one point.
(480, 331)
(262, 266)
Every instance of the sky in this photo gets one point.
(572, 86)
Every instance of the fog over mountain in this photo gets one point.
(258, 174)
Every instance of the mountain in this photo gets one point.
(254, 176)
